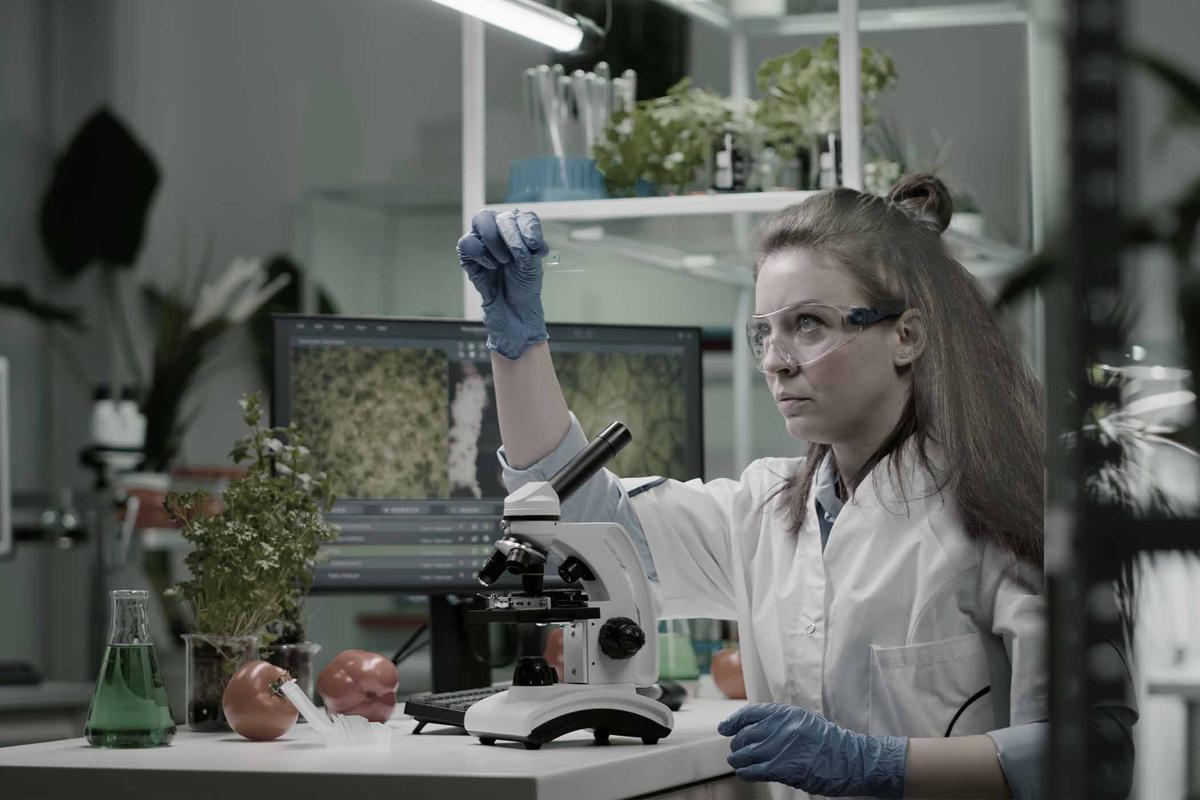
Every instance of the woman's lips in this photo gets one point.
(791, 405)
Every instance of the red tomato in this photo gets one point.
(360, 683)
(554, 650)
(727, 673)
(252, 708)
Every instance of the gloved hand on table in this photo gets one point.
(502, 256)
(788, 744)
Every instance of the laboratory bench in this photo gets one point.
(440, 763)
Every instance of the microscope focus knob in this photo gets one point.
(621, 637)
(573, 570)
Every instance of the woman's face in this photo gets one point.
(852, 392)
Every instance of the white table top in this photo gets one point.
(436, 764)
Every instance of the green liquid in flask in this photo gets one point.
(129, 707)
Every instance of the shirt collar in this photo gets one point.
(824, 488)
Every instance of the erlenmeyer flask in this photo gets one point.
(129, 706)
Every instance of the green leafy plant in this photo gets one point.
(665, 140)
(801, 93)
(251, 565)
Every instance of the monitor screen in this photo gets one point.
(401, 413)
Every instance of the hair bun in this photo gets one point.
(924, 198)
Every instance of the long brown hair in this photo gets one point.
(973, 401)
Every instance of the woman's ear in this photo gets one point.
(910, 337)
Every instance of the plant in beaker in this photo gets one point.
(250, 566)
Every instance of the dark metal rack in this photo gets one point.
(1088, 542)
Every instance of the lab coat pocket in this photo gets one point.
(922, 689)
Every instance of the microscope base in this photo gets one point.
(535, 715)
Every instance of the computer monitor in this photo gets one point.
(401, 413)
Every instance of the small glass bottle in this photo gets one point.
(129, 706)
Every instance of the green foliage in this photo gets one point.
(801, 93)
(251, 565)
(665, 140)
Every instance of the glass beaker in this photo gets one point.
(211, 662)
(129, 705)
(676, 656)
(297, 660)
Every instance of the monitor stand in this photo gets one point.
(458, 650)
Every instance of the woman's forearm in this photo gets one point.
(530, 404)
(959, 766)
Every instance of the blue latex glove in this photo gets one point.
(502, 255)
(792, 745)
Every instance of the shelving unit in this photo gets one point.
(986, 258)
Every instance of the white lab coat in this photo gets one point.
(890, 630)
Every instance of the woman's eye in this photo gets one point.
(806, 323)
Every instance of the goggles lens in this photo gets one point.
(805, 332)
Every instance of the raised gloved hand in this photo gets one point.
(792, 745)
(503, 258)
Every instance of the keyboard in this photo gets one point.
(446, 708)
(19, 673)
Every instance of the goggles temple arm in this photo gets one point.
(866, 317)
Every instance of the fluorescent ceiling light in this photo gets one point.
(526, 18)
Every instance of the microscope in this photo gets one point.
(610, 641)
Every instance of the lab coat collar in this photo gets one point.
(824, 488)
(917, 486)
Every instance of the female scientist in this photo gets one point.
(886, 586)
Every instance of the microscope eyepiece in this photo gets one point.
(589, 460)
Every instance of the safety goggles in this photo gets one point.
(805, 332)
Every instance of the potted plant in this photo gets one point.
(800, 111)
(663, 142)
(251, 564)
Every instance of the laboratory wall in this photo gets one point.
(26, 153)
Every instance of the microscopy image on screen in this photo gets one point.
(645, 391)
(474, 470)
(376, 417)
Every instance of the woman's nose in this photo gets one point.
(776, 359)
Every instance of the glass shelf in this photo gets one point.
(873, 16)
(646, 207)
